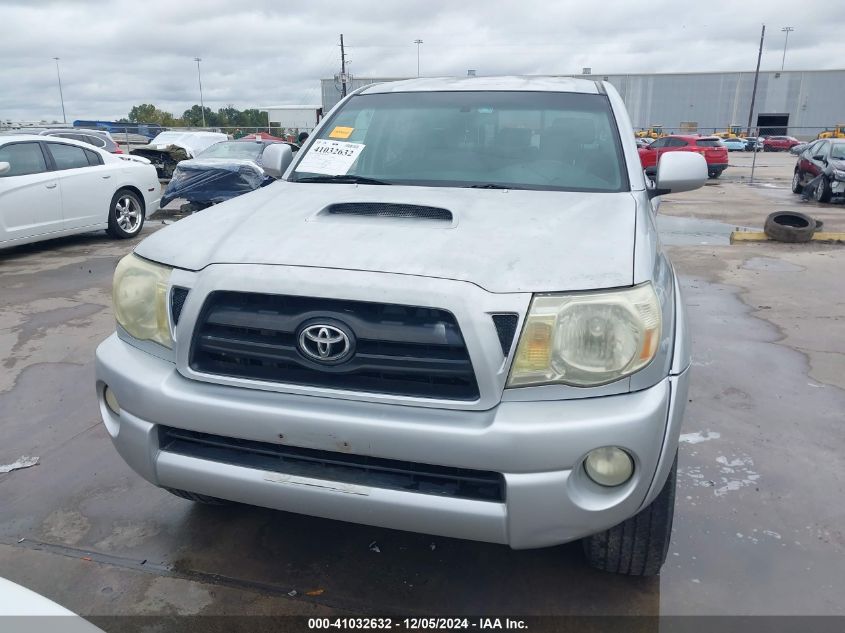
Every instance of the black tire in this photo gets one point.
(126, 215)
(198, 498)
(797, 187)
(715, 173)
(822, 192)
(637, 546)
(790, 226)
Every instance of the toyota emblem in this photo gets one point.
(325, 343)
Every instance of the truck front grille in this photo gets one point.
(398, 350)
(346, 468)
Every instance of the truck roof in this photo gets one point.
(508, 83)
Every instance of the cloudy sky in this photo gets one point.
(118, 53)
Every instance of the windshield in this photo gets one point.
(838, 151)
(528, 140)
(249, 150)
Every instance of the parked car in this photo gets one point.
(734, 144)
(753, 144)
(50, 187)
(826, 157)
(711, 147)
(221, 172)
(97, 138)
(167, 149)
(19, 604)
(779, 143)
(336, 344)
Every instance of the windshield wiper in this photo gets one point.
(344, 178)
(491, 185)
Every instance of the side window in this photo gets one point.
(96, 141)
(23, 158)
(661, 142)
(811, 148)
(822, 149)
(67, 156)
(677, 142)
(93, 157)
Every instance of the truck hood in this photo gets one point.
(501, 240)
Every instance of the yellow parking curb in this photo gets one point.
(759, 236)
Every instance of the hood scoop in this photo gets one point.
(388, 210)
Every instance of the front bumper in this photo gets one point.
(538, 446)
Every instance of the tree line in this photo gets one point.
(228, 117)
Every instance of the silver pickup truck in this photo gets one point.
(451, 315)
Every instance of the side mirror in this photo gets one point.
(4, 167)
(679, 171)
(276, 159)
(816, 157)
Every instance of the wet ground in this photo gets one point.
(761, 498)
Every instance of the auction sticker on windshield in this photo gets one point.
(333, 158)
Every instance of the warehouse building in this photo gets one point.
(795, 102)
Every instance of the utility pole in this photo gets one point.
(61, 96)
(199, 78)
(418, 42)
(756, 77)
(342, 67)
(787, 30)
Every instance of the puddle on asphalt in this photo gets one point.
(675, 231)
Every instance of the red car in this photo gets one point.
(711, 147)
(779, 143)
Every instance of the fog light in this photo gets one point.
(111, 401)
(609, 466)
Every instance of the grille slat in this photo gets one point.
(401, 350)
(337, 467)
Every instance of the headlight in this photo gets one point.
(140, 299)
(587, 339)
(839, 174)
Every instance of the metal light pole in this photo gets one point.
(61, 96)
(787, 30)
(418, 42)
(199, 78)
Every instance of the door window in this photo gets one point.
(822, 149)
(660, 143)
(676, 142)
(24, 158)
(68, 156)
(93, 157)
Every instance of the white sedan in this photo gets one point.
(51, 187)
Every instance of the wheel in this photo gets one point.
(126, 215)
(715, 173)
(198, 498)
(637, 546)
(822, 192)
(789, 226)
(797, 187)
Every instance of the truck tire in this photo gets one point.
(637, 546)
(797, 187)
(198, 498)
(126, 215)
(789, 226)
